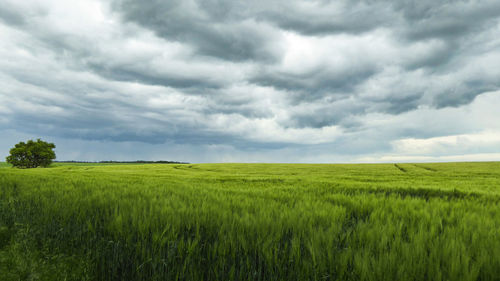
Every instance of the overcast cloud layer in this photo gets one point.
(253, 81)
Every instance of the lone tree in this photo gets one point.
(32, 154)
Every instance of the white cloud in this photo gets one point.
(440, 145)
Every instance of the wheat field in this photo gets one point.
(251, 222)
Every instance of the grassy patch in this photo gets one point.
(251, 222)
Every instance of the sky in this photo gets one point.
(296, 81)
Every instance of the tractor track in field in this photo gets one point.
(400, 168)
(425, 168)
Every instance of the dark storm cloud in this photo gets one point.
(326, 17)
(131, 73)
(342, 112)
(83, 52)
(446, 19)
(252, 75)
(11, 17)
(317, 83)
(437, 60)
(214, 33)
(464, 94)
(185, 20)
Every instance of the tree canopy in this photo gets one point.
(32, 154)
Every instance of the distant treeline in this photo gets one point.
(125, 162)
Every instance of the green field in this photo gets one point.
(251, 222)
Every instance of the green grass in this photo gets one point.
(59, 164)
(251, 222)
